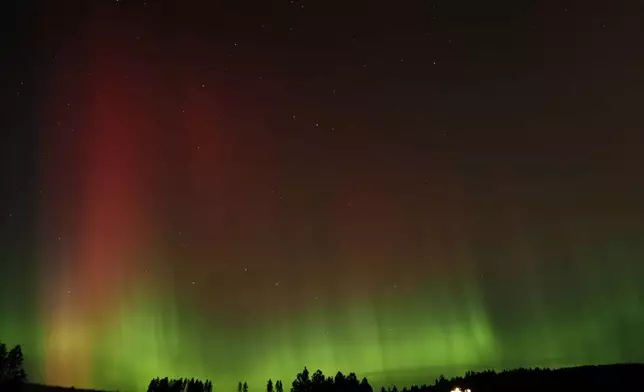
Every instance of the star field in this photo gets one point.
(232, 190)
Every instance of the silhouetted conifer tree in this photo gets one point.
(328, 382)
(12, 374)
(154, 385)
(178, 385)
(364, 385)
(318, 382)
(269, 386)
(302, 382)
(340, 382)
(351, 383)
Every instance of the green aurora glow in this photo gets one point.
(427, 333)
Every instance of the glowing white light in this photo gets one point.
(457, 389)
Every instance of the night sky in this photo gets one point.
(235, 189)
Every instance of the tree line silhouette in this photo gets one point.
(604, 378)
(12, 373)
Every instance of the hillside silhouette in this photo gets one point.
(13, 378)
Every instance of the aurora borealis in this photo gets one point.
(234, 190)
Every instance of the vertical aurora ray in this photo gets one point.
(112, 316)
(102, 271)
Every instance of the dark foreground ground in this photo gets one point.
(604, 378)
